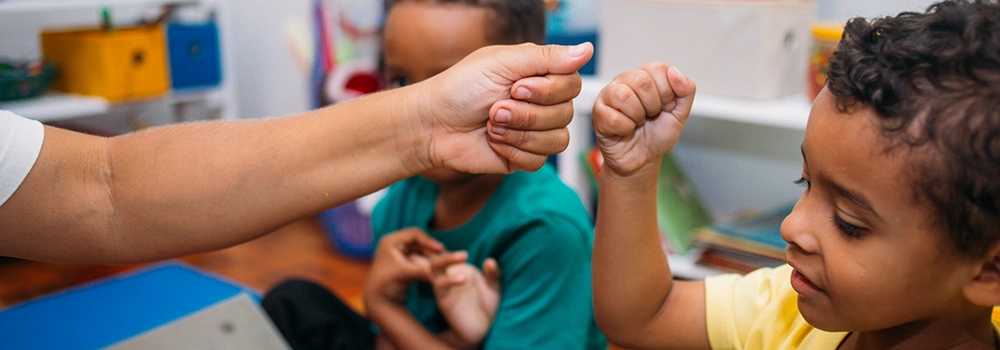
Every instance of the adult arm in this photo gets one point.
(637, 118)
(202, 186)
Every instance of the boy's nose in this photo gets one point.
(798, 229)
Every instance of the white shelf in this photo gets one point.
(57, 106)
(790, 112)
(684, 266)
(22, 6)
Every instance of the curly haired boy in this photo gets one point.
(895, 241)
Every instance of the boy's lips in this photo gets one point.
(802, 285)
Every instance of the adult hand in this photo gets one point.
(640, 115)
(502, 108)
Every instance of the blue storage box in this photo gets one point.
(576, 38)
(194, 55)
(127, 306)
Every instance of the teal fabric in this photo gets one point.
(541, 236)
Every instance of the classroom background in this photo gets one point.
(722, 194)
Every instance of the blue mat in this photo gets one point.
(110, 310)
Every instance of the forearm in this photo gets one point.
(195, 187)
(398, 325)
(226, 183)
(631, 277)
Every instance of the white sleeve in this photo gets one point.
(20, 143)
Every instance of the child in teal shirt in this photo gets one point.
(528, 231)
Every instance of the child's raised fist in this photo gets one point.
(639, 116)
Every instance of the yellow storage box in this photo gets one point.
(119, 64)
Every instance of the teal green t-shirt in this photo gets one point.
(541, 236)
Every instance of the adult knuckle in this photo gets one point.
(550, 52)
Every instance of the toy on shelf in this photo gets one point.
(19, 80)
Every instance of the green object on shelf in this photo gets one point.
(679, 211)
(24, 80)
(106, 18)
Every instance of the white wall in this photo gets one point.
(269, 82)
(844, 9)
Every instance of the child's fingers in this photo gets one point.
(414, 239)
(645, 89)
(439, 263)
(684, 90)
(491, 271)
(448, 280)
(608, 121)
(658, 72)
(622, 98)
(547, 90)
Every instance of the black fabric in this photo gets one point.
(310, 317)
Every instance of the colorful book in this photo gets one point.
(679, 211)
(757, 233)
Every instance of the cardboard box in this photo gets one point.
(747, 49)
(117, 64)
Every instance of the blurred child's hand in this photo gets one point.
(502, 108)
(401, 258)
(467, 298)
(639, 116)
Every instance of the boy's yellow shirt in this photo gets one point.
(759, 311)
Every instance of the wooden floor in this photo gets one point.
(300, 250)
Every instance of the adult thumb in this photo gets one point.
(528, 60)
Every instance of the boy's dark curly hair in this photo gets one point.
(509, 21)
(934, 80)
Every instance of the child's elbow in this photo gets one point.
(615, 326)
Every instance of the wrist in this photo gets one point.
(413, 130)
(379, 308)
(644, 173)
(452, 338)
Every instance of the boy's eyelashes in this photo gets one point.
(845, 227)
(398, 82)
(802, 182)
(848, 229)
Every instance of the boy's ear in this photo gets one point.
(984, 288)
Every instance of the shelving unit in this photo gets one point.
(790, 112)
(57, 106)
(23, 6)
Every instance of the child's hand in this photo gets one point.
(400, 259)
(467, 298)
(639, 116)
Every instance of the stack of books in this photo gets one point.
(750, 241)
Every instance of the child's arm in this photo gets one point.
(402, 258)
(467, 298)
(637, 119)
